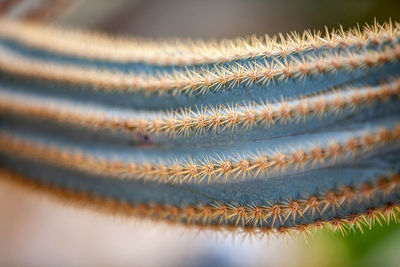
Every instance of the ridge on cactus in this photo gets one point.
(269, 136)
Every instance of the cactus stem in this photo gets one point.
(273, 137)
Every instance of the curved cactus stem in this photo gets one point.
(269, 137)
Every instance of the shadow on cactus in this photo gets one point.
(268, 136)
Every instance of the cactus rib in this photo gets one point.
(211, 168)
(188, 122)
(187, 52)
(189, 82)
(234, 217)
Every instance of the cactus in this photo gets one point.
(272, 136)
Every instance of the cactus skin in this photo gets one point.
(258, 136)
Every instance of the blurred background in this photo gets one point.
(200, 18)
(37, 232)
